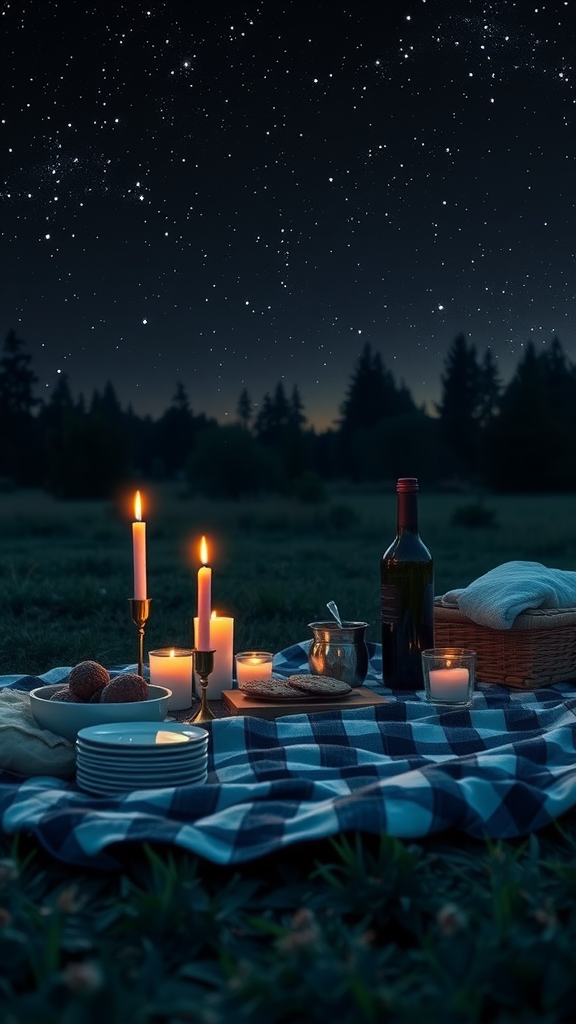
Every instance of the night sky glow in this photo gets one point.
(231, 194)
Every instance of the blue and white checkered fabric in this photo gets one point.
(503, 768)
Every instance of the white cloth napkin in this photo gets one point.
(27, 749)
(496, 598)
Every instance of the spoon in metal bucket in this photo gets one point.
(333, 609)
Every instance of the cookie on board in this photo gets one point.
(319, 685)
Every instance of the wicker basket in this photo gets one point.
(539, 649)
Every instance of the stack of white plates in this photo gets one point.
(122, 756)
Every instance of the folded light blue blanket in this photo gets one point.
(496, 598)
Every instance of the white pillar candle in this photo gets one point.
(221, 641)
(204, 599)
(449, 683)
(139, 551)
(253, 665)
(172, 667)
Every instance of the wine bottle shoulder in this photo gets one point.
(407, 547)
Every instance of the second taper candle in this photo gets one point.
(204, 599)
(139, 550)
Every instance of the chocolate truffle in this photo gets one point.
(124, 689)
(65, 693)
(87, 677)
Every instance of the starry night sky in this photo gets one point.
(231, 194)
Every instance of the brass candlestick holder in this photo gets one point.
(203, 664)
(140, 609)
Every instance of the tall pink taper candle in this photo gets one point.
(139, 549)
(204, 598)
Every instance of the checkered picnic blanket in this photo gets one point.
(503, 768)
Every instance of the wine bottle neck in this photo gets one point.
(408, 512)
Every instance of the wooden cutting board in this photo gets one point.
(238, 703)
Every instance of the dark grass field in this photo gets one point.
(66, 568)
(360, 928)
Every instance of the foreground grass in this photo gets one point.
(449, 930)
(353, 929)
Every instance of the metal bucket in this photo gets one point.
(340, 652)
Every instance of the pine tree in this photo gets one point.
(244, 409)
(561, 377)
(490, 389)
(86, 451)
(372, 395)
(296, 416)
(281, 407)
(273, 418)
(278, 426)
(459, 407)
(17, 380)
(532, 442)
(59, 403)
(180, 401)
(364, 402)
(264, 422)
(107, 405)
(20, 449)
(176, 434)
(61, 423)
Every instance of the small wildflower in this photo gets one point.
(304, 932)
(303, 918)
(367, 937)
(84, 977)
(451, 919)
(69, 900)
(546, 916)
(208, 1016)
(242, 976)
(8, 871)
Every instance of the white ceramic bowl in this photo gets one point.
(66, 719)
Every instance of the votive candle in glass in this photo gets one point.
(449, 675)
(253, 665)
(172, 667)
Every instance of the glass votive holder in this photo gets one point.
(449, 675)
(253, 665)
(172, 667)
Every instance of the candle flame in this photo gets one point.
(138, 507)
(203, 551)
(172, 653)
(213, 616)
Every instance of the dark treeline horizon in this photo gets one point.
(514, 437)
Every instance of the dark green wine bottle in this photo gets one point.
(407, 596)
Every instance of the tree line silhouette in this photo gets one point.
(515, 437)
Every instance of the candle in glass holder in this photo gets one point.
(449, 683)
(449, 675)
(253, 665)
(172, 667)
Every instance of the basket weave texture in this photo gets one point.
(539, 649)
